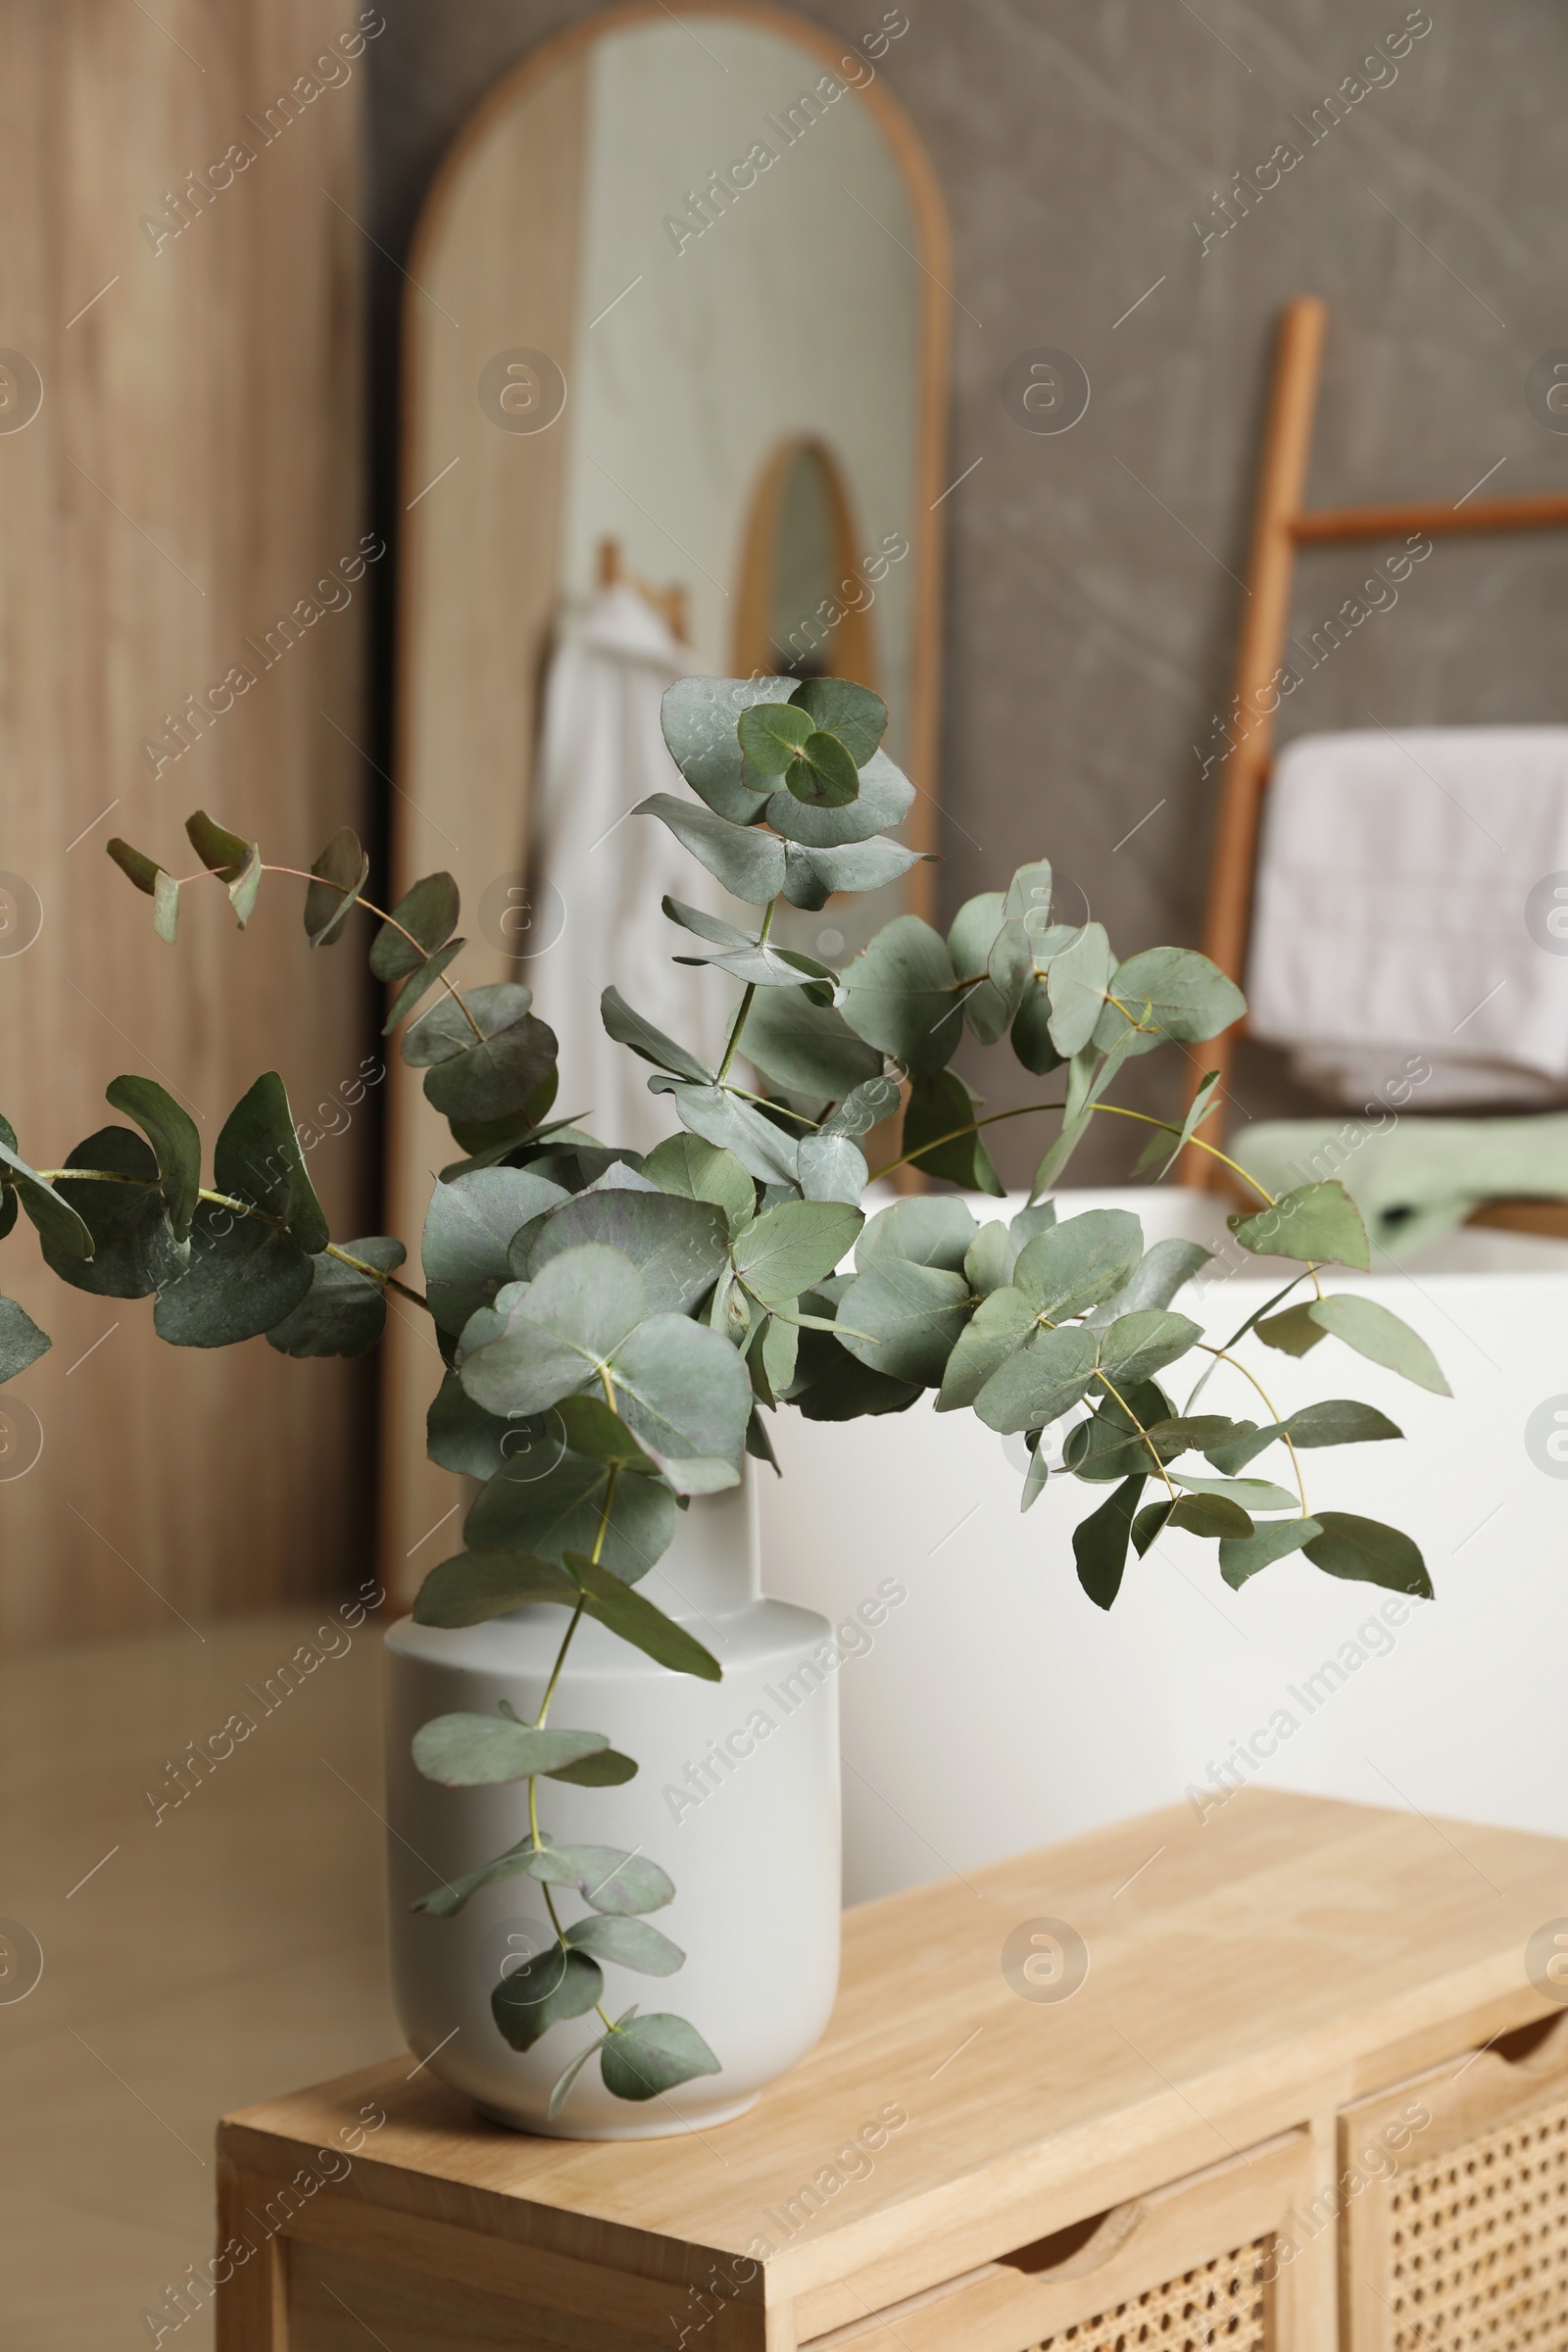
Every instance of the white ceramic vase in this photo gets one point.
(737, 1798)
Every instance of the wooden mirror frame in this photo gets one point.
(502, 216)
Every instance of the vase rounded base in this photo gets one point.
(667, 2126)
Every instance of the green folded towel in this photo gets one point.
(1413, 1179)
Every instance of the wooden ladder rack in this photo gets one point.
(1281, 525)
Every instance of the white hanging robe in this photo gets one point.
(601, 752)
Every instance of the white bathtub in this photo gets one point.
(996, 1708)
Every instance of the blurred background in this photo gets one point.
(355, 386)
(220, 367)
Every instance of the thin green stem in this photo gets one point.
(1225, 1357)
(380, 912)
(379, 1274)
(1027, 1110)
(561, 1661)
(1154, 1449)
(974, 1128)
(1242, 1329)
(745, 1000)
(550, 1692)
(1116, 1111)
(782, 1108)
(148, 1184)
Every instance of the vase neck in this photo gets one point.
(713, 1564)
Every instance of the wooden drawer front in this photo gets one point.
(1464, 2247)
(1190, 2266)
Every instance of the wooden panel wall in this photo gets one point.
(193, 474)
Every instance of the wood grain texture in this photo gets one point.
(494, 268)
(252, 2297)
(1253, 1978)
(192, 475)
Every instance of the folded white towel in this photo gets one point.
(1407, 901)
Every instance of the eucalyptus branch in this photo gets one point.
(746, 998)
(381, 914)
(1152, 1448)
(242, 1209)
(1225, 1356)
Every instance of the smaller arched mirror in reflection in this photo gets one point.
(805, 609)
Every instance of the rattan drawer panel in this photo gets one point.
(1463, 2245)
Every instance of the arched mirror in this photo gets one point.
(674, 400)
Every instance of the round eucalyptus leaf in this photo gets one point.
(695, 1169)
(884, 800)
(563, 1328)
(823, 775)
(812, 875)
(1040, 1382)
(559, 1508)
(790, 1248)
(541, 1992)
(653, 2054)
(342, 870)
(809, 1049)
(473, 1751)
(901, 994)
(344, 1310)
(772, 735)
(468, 1228)
(1075, 1264)
(475, 1586)
(428, 913)
(258, 1158)
(22, 1343)
(629, 1942)
(852, 713)
(929, 1229)
(135, 1250)
(606, 1877)
(684, 1393)
(701, 718)
(242, 1277)
(904, 1320)
(679, 1247)
(749, 864)
(172, 1132)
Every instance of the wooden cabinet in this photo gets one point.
(1457, 2234)
(1303, 2094)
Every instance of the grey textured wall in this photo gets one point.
(1094, 597)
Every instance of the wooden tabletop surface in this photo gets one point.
(1242, 1971)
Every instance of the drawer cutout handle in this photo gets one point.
(1081, 2247)
(1537, 2048)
